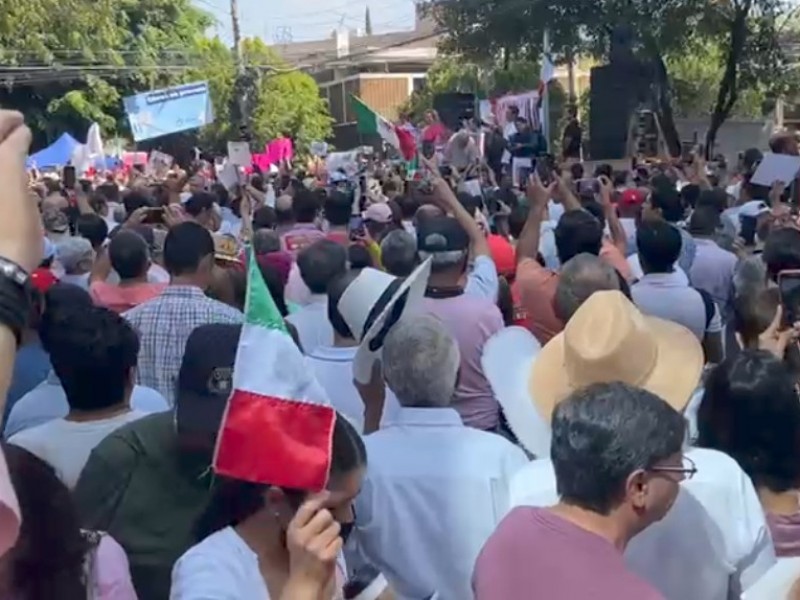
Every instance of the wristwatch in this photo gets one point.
(11, 270)
(15, 297)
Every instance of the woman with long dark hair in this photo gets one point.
(261, 541)
(751, 411)
(53, 558)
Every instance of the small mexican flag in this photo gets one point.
(369, 122)
(278, 425)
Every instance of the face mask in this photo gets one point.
(345, 530)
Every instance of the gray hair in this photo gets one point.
(581, 276)
(420, 362)
(75, 253)
(266, 241)
(604, 433)
(442, 261)
(399, 253)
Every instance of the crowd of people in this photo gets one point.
(586, 383)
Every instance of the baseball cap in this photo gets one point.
(503, 254)
(43, 279)
(205, 379)
(632, 197)
(72, 251)
(441, 234)
(378, 212)
(55, 221)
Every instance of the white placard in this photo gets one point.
(319, 148)
(471, 187)
(239, 154)
(776, 167)
(159, 163)
(229, 175)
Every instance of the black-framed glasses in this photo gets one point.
(688, 469)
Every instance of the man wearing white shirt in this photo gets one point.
(435, 490)
(333, 366)
(319, 264)
(714, 543)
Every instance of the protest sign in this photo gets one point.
(239, 154)
(169, 110)
(319, 148)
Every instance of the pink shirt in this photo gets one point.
(111, 575)
(122, 298)
(534, 554)
(785, 530)
(471, 321)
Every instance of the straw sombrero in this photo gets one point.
(607, 340)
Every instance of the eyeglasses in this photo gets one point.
(688, 470)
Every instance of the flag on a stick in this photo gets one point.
(278, 425)
(369, 123)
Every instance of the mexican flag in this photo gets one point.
(369, 123)
(278, 424)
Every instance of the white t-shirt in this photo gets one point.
(66, 445)
(312, 324)
(47, 401)
(221, 567)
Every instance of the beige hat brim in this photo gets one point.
(674, 378)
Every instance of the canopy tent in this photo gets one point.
(57, 154)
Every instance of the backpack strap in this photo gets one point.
(708, 303)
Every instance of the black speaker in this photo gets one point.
(453, 108)
(617, 90)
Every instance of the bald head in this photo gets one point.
(427, 211)
(582, 276)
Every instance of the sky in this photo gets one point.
(300, 21)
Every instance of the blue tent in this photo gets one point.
(57, 154)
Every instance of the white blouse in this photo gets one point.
(223, 567)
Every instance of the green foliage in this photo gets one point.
(724, 56)
(126, 46)
(695, 74)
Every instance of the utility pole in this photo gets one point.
(239, 112)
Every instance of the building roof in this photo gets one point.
(417, 44)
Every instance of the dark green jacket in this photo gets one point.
(142, 491)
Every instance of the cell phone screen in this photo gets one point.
(748, 229)
(356, 227)
(155, 216)
(68, 177)
(789, 284)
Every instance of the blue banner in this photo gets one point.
(159, 112)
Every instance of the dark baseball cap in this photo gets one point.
(205, 379)
(441, 234)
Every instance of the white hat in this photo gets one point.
(506, 361)
(373, 303)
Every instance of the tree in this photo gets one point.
(661, 29)
(64, 78)
(695, 74)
